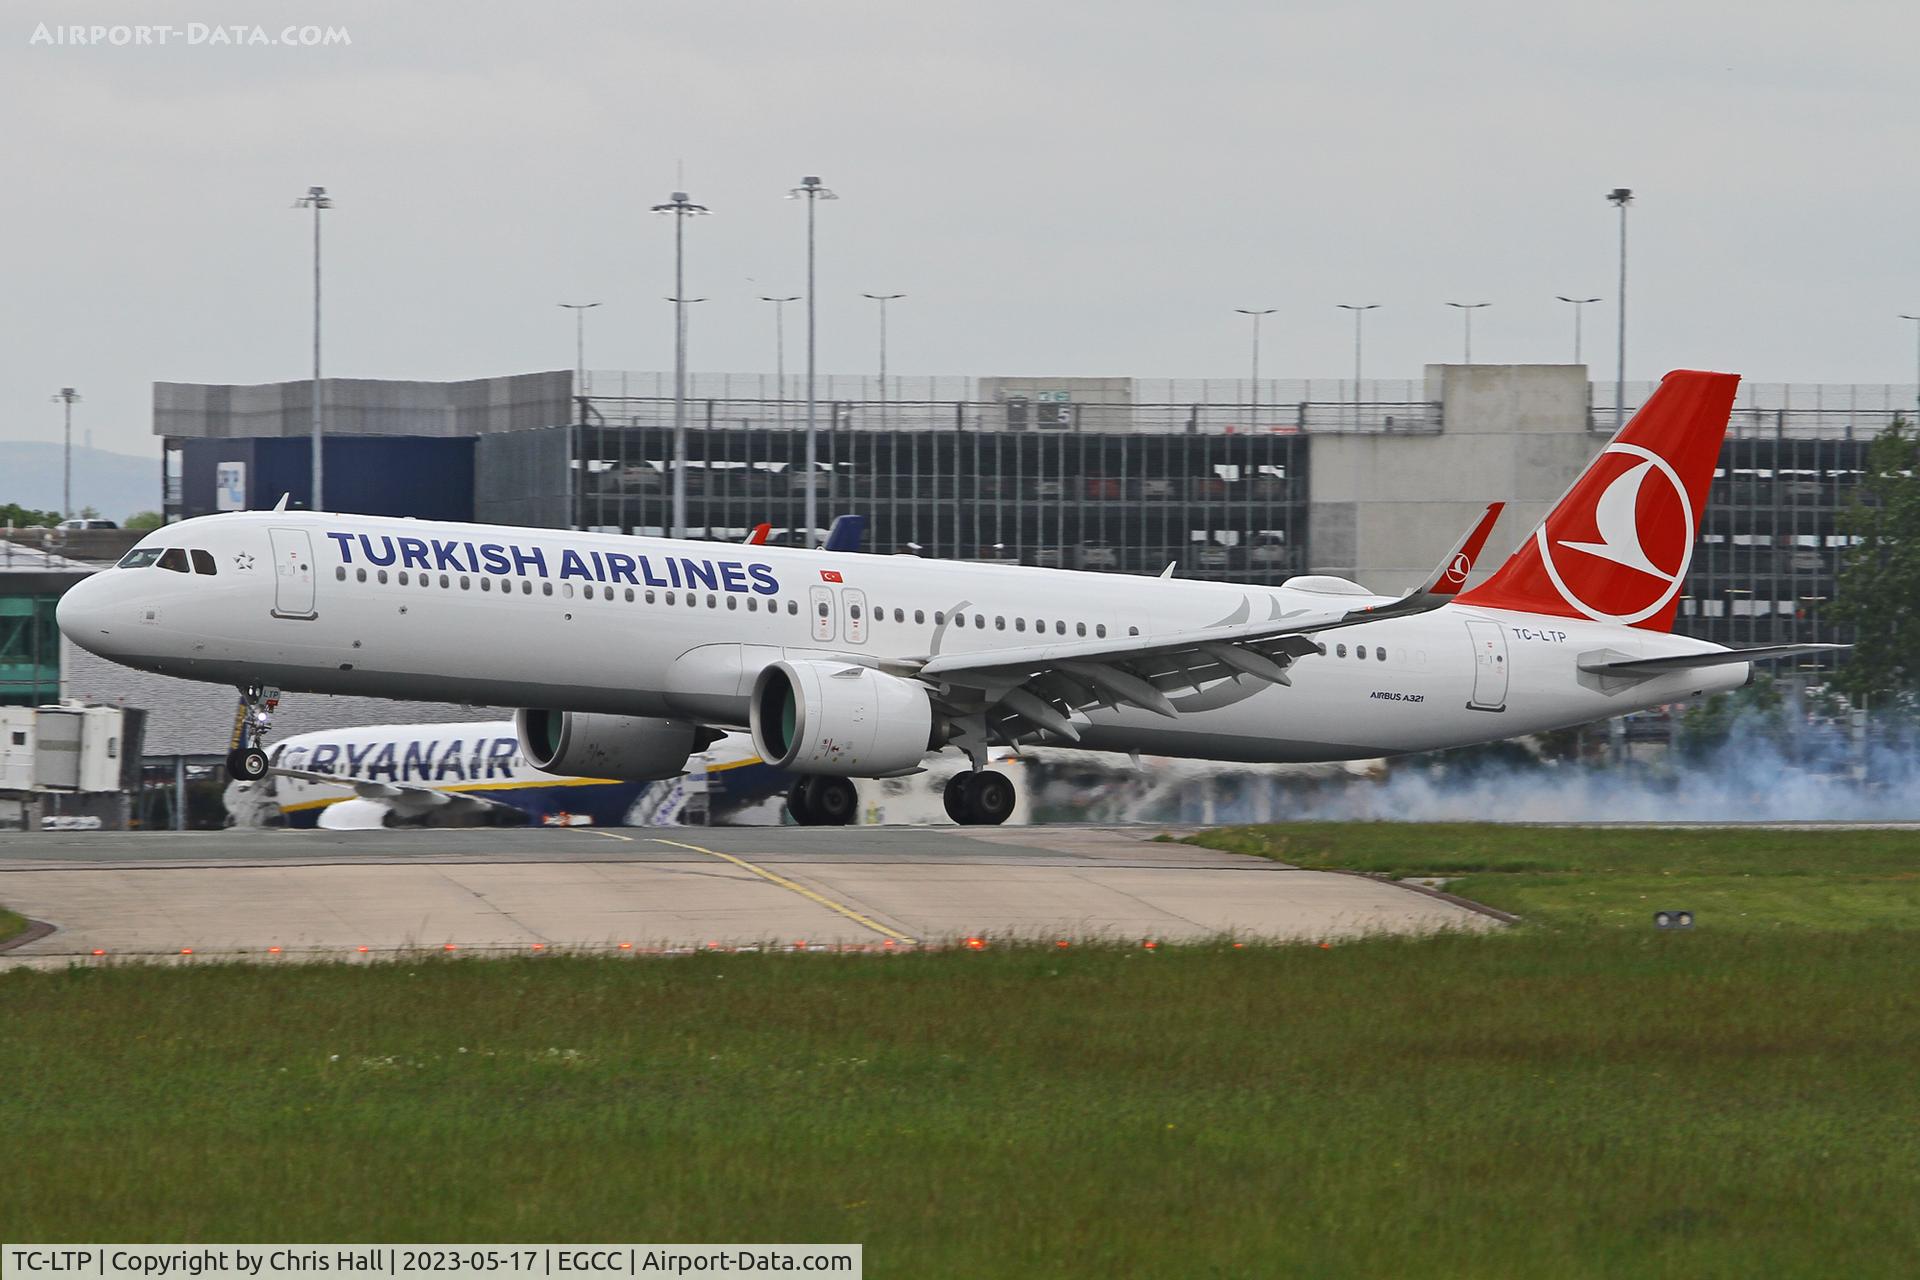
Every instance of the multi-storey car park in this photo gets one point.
(1217, 478)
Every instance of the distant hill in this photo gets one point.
(117, 484)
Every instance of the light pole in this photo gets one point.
(1577, 304)
(317, 200)
(681, 208)
(1916, 360)
(780, 354)
(1253, 408)
(812, 192)
(883, 299)
(1621, 197)
(580, 310)
(67, 397)
(1466, 313)
(1359, 310)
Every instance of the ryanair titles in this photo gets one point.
(506, 559)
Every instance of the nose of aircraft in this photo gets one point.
(85, 616)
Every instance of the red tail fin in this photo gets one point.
(1617, 546)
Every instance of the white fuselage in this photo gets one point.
(608, 623)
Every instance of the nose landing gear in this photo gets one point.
(246, 756)
(983, 799)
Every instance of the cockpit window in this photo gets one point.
(175, 558)
(139, 557)
(203, 562)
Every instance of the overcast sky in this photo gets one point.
(1058, 188)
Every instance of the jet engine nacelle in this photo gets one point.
(629, 748)
(840, 718)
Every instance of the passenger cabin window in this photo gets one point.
(203, 562)
(1340, 650)
(175, 558)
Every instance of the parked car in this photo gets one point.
(1049, 557)
(1211, 555)
(1267, 551)
(86, 524)
(1095, 554)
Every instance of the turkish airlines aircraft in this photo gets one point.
(630, 654)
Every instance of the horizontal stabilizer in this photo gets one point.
(1693, 661)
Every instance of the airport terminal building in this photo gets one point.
(1218, 478)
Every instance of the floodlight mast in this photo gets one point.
(1620, 198)
(317, 200)
(681, 208)
(1359, 310)
(812, 191)
(1466, 312)
(780, 354)
(1253, 395)
(883, 299)
(67, 397)
(1577, 304)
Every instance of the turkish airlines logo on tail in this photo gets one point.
(1623, 558)
(1456, 574)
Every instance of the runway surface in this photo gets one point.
(349, 894)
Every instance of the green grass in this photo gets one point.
(11, 925)
(1571, 1102)
(1578, 877)
(1580, 1096)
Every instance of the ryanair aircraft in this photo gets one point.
(475, 774)
(631, 654)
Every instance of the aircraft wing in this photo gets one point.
(404, 797)
(1040, 686)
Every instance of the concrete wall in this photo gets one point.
(1384, 509)
(522, 478)
(364, 406)
(1086, 404)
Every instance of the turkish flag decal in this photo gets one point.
(831, 575)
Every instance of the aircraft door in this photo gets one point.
(1489, 666)
(820, 601)
(292, 573)
(854, 601)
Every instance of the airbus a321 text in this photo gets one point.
(630, 654)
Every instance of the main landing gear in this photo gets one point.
(247, 758)
(820, 801)
(983, 799)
